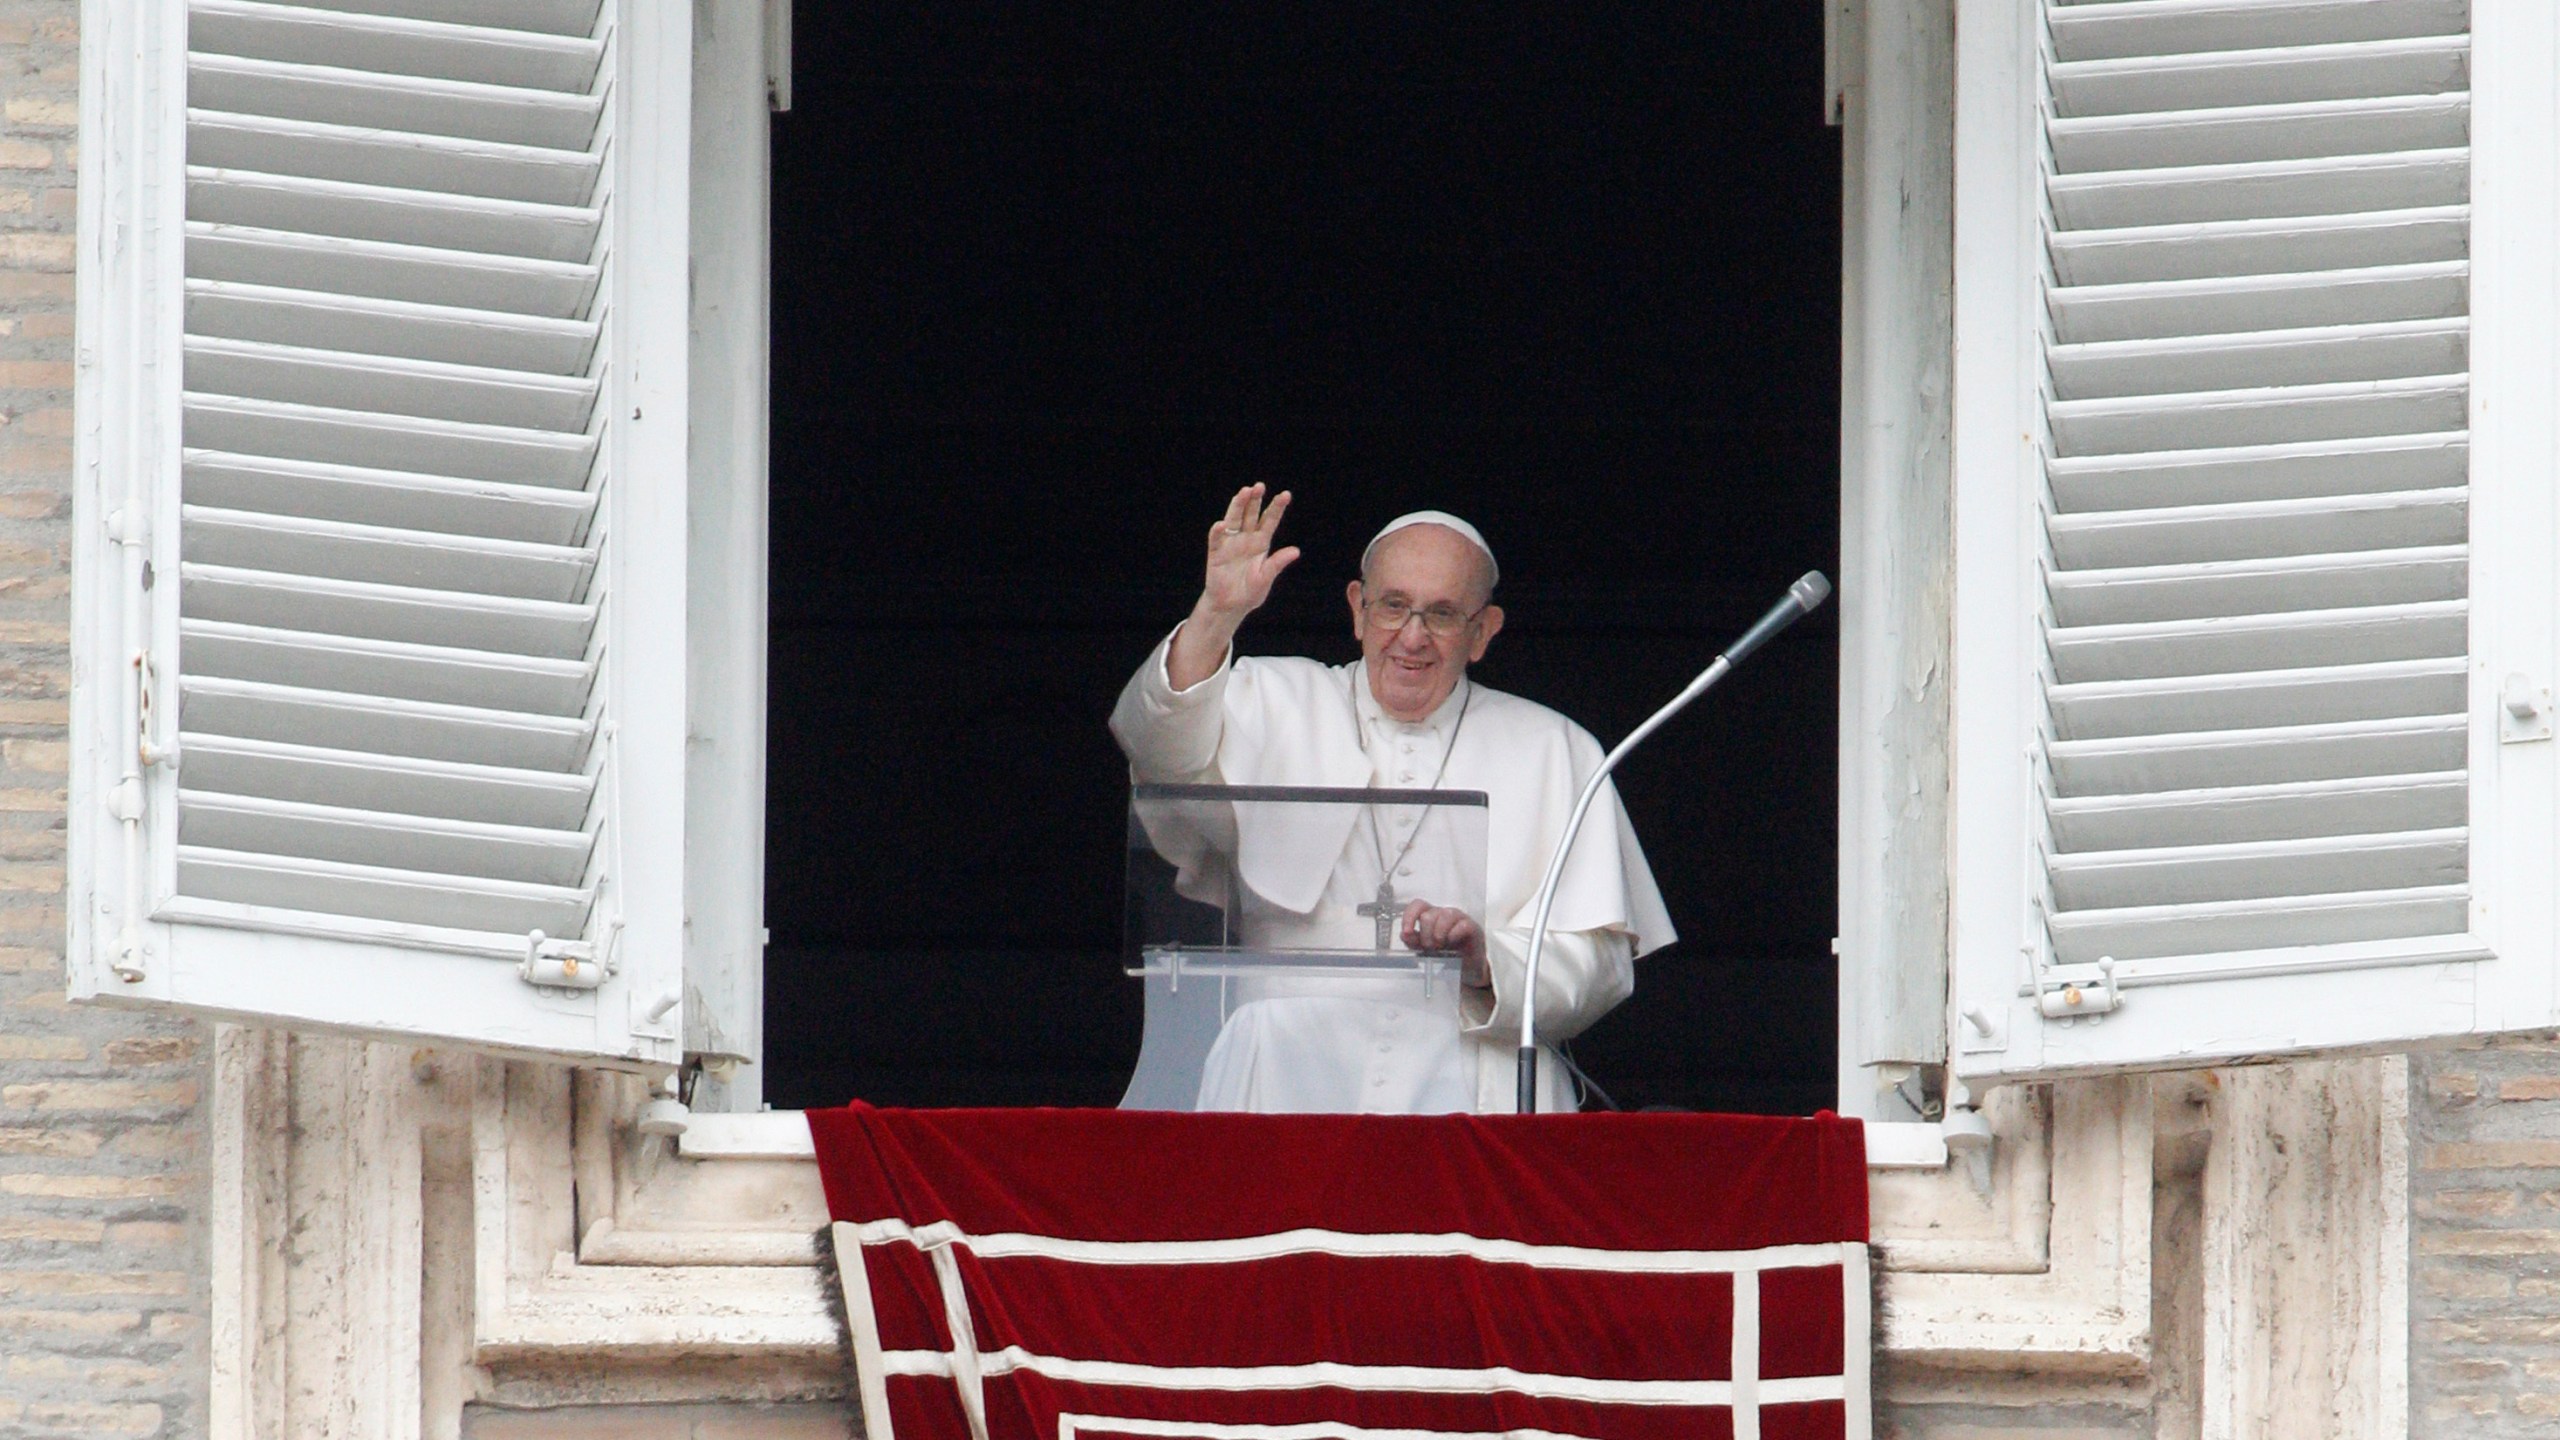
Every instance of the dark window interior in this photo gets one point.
(1051, 281)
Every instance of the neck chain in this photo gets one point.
(1384, 911)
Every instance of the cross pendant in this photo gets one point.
(1384, 913)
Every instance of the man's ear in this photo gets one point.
(1359, 617)
(1488, 625)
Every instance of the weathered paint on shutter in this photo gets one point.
(407, 438)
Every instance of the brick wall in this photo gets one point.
(2485, 1240)
(102, 1293)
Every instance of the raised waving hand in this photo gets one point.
(1242, 564)
(1241, 569)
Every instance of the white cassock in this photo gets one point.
(1290, 721)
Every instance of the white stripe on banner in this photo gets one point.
(1071, 1426)
(1746, 1357)
(870, 1374)
(1348, 1243)
(1334, 1374)
(967, 1375)
(1857, 1299)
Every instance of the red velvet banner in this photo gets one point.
(1122, 1275)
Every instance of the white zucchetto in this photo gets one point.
(1433, 517)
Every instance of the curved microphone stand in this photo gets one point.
(1802, 599)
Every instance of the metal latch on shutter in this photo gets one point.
(565, 964)
(2066, 992)
(2524, 710)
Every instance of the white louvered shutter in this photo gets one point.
(2254, 476)
(384, 409)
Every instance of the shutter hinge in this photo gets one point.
(2067, 992)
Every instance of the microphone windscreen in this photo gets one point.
(1802, 596)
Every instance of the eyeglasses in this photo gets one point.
(1443, 620)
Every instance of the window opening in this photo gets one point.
(1048, 287)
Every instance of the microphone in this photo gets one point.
(1803, 597)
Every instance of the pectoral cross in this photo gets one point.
(1384, 912)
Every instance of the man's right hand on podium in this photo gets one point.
(1445, 930)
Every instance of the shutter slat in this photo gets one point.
(414, 105)
(525, 854)
(391, 498)
(2222, 305)
(280, 882)
(2390, 350)
(389, 212)
(2260, 529)
(2261, 132)
(2238, 928)
(332, 436)
(2260, 472)
(2264, 189)
(2260, 642)
(2427, 65)
(311, 150)
(490, 339)
(2255, 700)
(549, 17)
(2358, 805)
(443, 674)
(387, 670)
(386, 612)
(389, 385)
(2261, 587)
(2274, 416)
(2259, 869)
(2261, 247)
(355, 780)
(418, 274)
(2172, 27)
(489, 55)
(2214, 759)
(335, 720)
(422, 558)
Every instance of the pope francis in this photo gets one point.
(1405, 716)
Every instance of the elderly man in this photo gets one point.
(1406, 717)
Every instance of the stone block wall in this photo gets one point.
(2484, 1275)
(103, 1303)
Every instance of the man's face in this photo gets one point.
(1425, 568)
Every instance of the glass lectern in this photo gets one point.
(1241, 893)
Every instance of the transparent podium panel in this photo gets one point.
(1242, 893)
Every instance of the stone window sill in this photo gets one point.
(1972, 1274)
